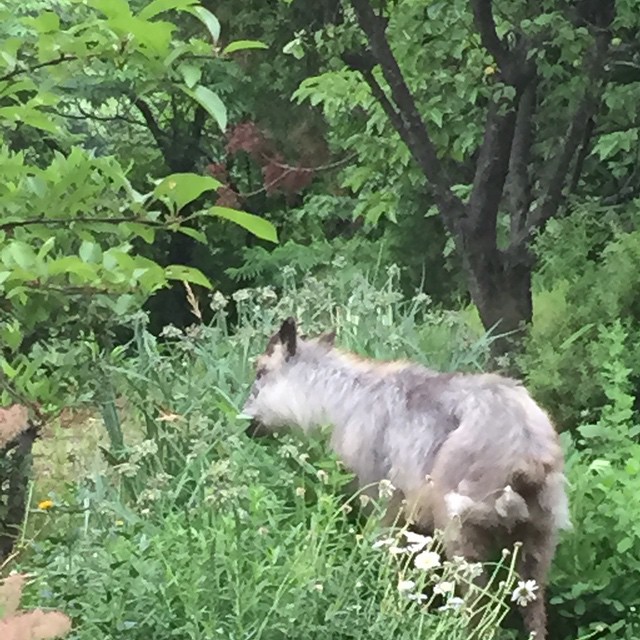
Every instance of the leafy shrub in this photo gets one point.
(597, 568)
(588, 277)
(195, 531)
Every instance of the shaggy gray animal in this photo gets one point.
(470, 454)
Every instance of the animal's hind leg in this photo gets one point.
(474, 544)
(533, 563)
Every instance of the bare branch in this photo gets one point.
(8, 225)
(414, 130)
(85, 115)
(291, 169)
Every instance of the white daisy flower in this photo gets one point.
(525, 593)
(416, 541)
(444, 587)
(406, 585)
(453, 604)
(383, 542)
(427, 560)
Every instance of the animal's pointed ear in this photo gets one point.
(288, 336)
(328, 338)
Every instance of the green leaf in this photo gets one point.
(191, 74)
(22, 254)
(30, 116)
(45, 22)
(146, 232)
(211, 102)
(625, 544)
(160, 6)
(112, 8)
(90, 252)
(182, 272)
(11, 335)
(183, 188)
(242, 45)
(46, 247)
(73, 265)
(124, 303)
(254, 224)
(193, 233)
(209, 20)
(592, 431)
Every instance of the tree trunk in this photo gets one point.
(500, 286)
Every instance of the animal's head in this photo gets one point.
(276, 397)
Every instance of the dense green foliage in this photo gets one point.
(176, 182)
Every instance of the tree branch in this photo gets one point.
(491, 172)
(518, 186)
(413, 130)
(559, 173)
(158, 135)
(513, 64)
(486, 26)
(9, 225)
(362, 63)
(49, 63)
(583, 152)
(197, 127)
(85, 115)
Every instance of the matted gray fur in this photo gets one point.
(470, 450)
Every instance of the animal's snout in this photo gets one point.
(256, 429)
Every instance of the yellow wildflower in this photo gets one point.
(489, 71)
(119, 523)
(45, 505)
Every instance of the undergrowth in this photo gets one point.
(188, 529)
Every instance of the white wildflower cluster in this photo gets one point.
(427, 561)
(145, 449)
(266, 296)
(287, 272)
(289, 450)
(462, 569)
(127, 469)
(430, 577)
(171, 331)
(339, 262)
(198, 449)
(195, 331)
(242, 295)
(421, 299)
(218, 302)
(386, 489)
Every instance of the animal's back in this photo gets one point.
(476, 435)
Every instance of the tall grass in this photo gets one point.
(194, 531)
